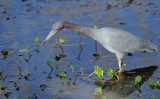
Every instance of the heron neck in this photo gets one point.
(77, 28)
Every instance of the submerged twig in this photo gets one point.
(90, 75)
(80, 44)
(28, 58)
(70, 89)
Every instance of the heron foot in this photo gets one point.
(117, 73)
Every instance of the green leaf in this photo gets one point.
(76, 32)
(62, 74)
(0, 85)
(110, 72)
(55, 93)
(61, 40)
(95, 27)
(11, 50)
(36, 39)
(98, 71)
(158, 83)
(138, 79)
(51, 53)
(152, 83)
(49, 63)
(27, 46)
(152, 97)
(56, 72)
(104, 97)
(68, 64)
(15, 80)
(73, 70)
(43, 86)
(98, 83)
(98, 90)
(50, 87)
(20, 59)
(28, 51)
(4, 52)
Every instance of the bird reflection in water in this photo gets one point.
(118, 89)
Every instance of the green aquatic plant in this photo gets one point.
(68, 64)
(158, 83)
(49, 63)
(57, 72)
(36, 39)
(110, 72)
(61, 40)
(51, 53)
(4, 52)
(98, 71)
(55, 93)
(95, 27)
(62, 74)
(138, 79)
(152, 84)
(98, 91)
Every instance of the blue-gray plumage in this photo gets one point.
(115, 40)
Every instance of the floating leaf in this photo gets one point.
(11, 50)
(158, 83)
(49, 63)
(62, 74)
(104, 97)
(20, 54)
(68, 64)
(27, 46)
(98, 83)
(56, 72)
(51, 53)
(110, 72)
(4, 52)
(61, 40)
(98, 71)
(43, 86)
(15, 80)
(55, 93)
(49, 86)
(76, 32)
(20, 59)
(36, 39)
(152, 83)
(152, 97)
(28, 51)
(98, 91)
(23, 50)
(95, 27)
(137, 3)
(138, 79)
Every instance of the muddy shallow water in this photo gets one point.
(21, 21)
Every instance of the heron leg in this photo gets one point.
(119, 70)
(120, 64)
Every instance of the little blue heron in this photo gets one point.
(113, 39)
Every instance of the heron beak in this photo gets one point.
(48, 37)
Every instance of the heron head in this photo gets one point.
(55, 28)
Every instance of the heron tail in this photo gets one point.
(150, 46)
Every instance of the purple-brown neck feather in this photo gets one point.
(77, 28)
